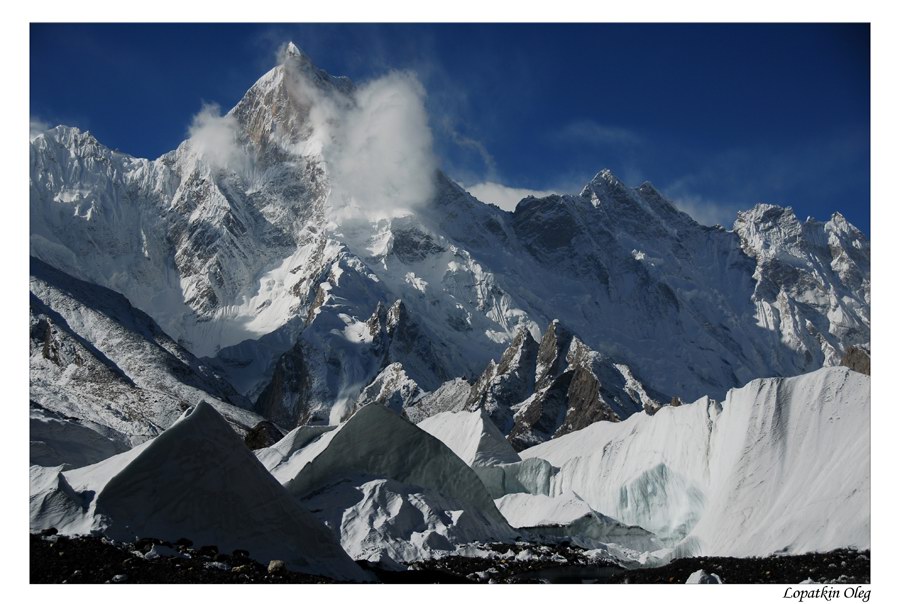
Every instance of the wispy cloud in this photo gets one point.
(382, 150)
(706, 211)
(37, 126)
(500, 195)
(215, 138)
(799, 176)
(590, 132)
(473, 145)
(685, 193)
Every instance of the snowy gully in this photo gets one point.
(827, 593)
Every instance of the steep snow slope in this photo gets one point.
(672, 285)
(389, 490)
(249, 252)
(96, 359)
(195, 480)
(780, 465)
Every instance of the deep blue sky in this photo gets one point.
(718, 117)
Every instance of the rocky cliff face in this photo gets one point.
(812, 282)
(541, 390)
(858, 359)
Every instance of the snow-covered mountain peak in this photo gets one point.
(840, 224)
(638, 208)
(647, 188)
(768, 214)
(327, 202)
(286, 103)
(606, 176)
(79, 142)
(292, 51)
(604, 183)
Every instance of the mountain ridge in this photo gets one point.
(242, 259)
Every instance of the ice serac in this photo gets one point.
(98, 362)
(781, 465)
(472, 436)
(195, 480)
(391, 490)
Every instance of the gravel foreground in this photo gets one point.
(93, 559)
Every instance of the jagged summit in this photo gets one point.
(275, 111)
(638, 205)
(603, 181)
(291, 50)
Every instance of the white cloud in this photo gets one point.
(214, 137)
(503, 196)
(705, 211)
(36, 127)
(594, 133)
(383, 154)
(376, 143)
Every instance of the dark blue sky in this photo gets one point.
(718, 117)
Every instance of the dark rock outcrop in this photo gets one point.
(262, 435)
(541, 390)
(858, 359)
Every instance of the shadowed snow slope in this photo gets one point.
(377, 442)
(391, 489)
(195, 480)
(781, 465)
(472, 436)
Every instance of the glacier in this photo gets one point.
(781, 466)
